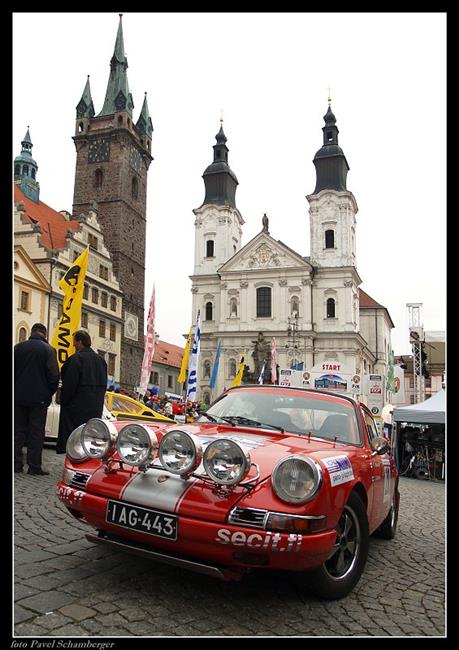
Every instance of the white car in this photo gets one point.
(52, 420)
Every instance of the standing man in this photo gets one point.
(84, 381)
(36, 377)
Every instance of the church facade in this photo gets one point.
(250, 294)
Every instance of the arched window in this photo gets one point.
(209, 310)
(33, 172)
(264, 302)
(329, 239)
(294, 306)
(207, 369)
(98, 178)
(25, 170)
(17, 170)
(210, 248)
(330, 308)
(22, 334)
(232, 368)
(233, 307)
(80, 127)
(135, 188)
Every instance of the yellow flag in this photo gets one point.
(238, 378)
(72, 285)
(186, 352)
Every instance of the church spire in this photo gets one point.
(330, 161)
(25, 170)
(118, 98)
(219, 179)
(85, 107)
(144, 123)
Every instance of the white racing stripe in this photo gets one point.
(153, 490)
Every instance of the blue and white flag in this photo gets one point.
(262, 373)
(193, 368)
(213, 379)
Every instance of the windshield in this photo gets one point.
(324, 417)
(126, 406)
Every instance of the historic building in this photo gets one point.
(113, 157)
(311, 305)
(165, 369)
(46, 244)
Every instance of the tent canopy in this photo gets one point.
(431, 411)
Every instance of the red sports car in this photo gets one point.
(269, 477)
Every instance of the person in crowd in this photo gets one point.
(168, 409)
(36, 378)
(84, 379)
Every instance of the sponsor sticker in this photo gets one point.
(270, 541)
(339, 468)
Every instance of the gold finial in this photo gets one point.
(329, 96)
(221, 116)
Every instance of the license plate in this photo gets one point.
(142, 519)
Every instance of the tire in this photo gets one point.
(338, 576)
(388, 528)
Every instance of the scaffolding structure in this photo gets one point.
(416, 339)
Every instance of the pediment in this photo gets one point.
(264, 252)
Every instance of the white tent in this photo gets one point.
(431, 411)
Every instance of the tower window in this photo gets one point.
(98, 178)
(330, 308)
(80, 127)
(135, 188)
(25, 170)
(329, 136)
(264, 302)
(329, 239)
(33, 172)
(209, 311)
(210, 248)
(17, 170)
(219, 154)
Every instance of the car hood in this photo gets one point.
(159, 489)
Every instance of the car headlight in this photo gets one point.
(74, 448)
(136, 444)
(226, 462)
(98, 438)
(180, 452)
(296, 479)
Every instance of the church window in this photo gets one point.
(219, 154)
(330, 308)
(33, 172)
(295, 307)
(329, 136)
(25, 301)
(263, 302)
(17, 170)
(135, 188)
(98, 178)
(25, 170)
(210, 248)
(209, 310)
(207, 369)
(329, 239)
(22, 334)
(233, 307)
(80, 127)
(232, 368)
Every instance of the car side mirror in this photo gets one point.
(379, 445)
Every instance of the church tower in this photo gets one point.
(113, 157)
(333, 251)
(25, 170)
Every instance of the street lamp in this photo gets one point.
(292, 344)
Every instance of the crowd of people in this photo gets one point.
(82, 382)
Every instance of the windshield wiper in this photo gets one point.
(232, 419)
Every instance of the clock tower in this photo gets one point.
(113, 157)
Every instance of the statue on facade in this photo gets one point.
(265, 222)
(261, 355)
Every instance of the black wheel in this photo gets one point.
(388, 528)
(341, 572)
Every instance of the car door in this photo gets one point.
(381, 474)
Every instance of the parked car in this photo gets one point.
(116, 407)
(269, 477)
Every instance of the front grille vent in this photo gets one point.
(250, 517)
(79, 480)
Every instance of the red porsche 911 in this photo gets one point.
(270, 477)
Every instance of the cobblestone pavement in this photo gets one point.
(66, 586)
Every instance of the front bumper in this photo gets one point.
(205, 543)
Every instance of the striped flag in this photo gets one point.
(262, 372)
(213, 379)
(238, 378)
(193, 374)
(273, 361)
(149, 346)
(186, 353)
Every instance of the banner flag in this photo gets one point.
(213, 378)
(193, 374)
(238, 378)
(72, 284)
(149, 346)
(186, 353)
(273, 361)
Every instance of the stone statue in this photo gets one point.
(265, 222)
(261, 354)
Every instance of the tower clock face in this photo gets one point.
(99, 150)
(135, 159)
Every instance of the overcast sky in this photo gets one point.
(270, 73)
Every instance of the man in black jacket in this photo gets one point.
(36, 377)
(84, 382)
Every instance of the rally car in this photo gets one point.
(269, 477)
